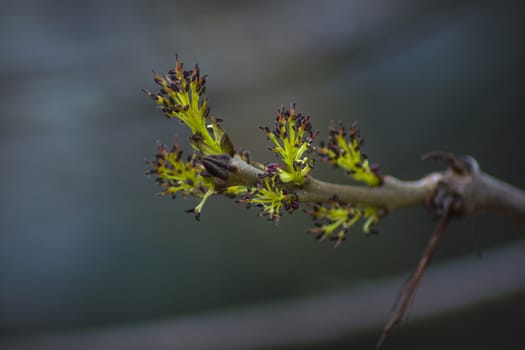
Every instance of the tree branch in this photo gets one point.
(477, 191)
(462, 190)
(489, 194)
(392, 194)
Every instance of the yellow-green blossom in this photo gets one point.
(347, 155)
(270, 197)
(175, 175)
(293, 138)
(334, 219)
(182, 95)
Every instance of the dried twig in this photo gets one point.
(407, 294)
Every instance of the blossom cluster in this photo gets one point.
(182, 95)
(345, 152)
(334, 220)
(270, 197)
(208, 170)
(292, 138)
(176, 175)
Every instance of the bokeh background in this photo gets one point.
(86, 245)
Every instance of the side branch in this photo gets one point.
(413, 282)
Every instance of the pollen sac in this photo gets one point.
(174, 175)
(182, 95)
(292, 139)
(270, 198)
(344, 150)
(334, 219)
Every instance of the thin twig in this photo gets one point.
(409, 289)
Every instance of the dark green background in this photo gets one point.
(84, 241)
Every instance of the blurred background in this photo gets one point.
(87, 248)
